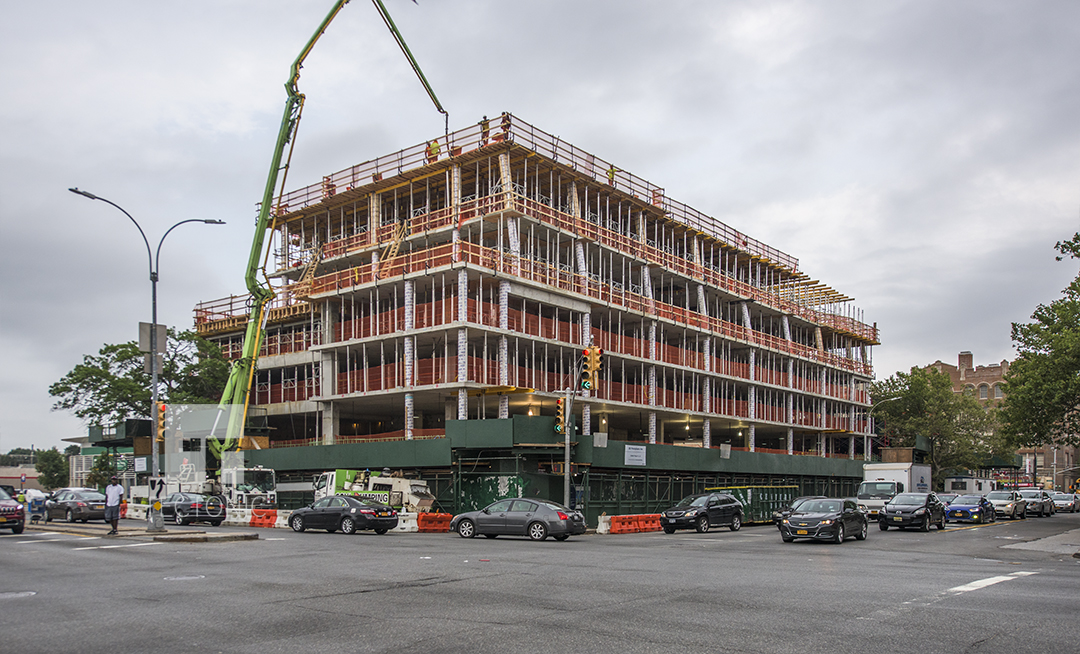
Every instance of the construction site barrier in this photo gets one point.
(135, 512)
(624, 524)
(603, 526)
(263, 517)
(238, 518)
(429, 523)
(282, 519)
(649, 522)
(407, 523)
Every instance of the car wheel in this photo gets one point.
(70, 516)
(491, 535)
(381, 530)
(941, 523)
(882, 526)
(669, 530)
(537, 531)
(561, 538)
(925, 526)
(736, 523)
(85, 520)
(839, 538)
(466, 529)
(787, 539)
(348, 525)
(297, 523)
(178, 518)
(862, 531)
(331, 530)
(18, 529)
(702, 524)
(215, 523)
(1023, 516)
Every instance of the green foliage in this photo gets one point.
(961, 431)
(1042, 387)
(102, 471)
(52, 468)
(72, 450)
(112, 386)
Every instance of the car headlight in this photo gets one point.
(975, 510)
(1009, 505)
(826, 522)
(920, 511)
(785, 521)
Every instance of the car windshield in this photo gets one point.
(4, 495)
(869, 490)
(554, 505)
(999, 495)
(819, 506)
(967, 499)
(1062, 496)
(909, 498)
(693, 500)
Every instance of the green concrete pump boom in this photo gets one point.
(238, 387)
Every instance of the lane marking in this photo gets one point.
(112, 547)
(58, 540)
(989, 581)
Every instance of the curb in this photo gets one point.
(202, 537)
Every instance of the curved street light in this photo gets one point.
(154, 260)
(869, 415)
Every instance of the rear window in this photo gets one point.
(93, 497)
(999, 495)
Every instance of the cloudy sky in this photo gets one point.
(921, 157)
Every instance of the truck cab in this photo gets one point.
(873, 495)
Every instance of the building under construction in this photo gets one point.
(460, 279)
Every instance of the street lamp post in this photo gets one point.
(154, 260)
(869, 416)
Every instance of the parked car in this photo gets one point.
(1039, 501)
(831, 519)
(184, 508)
(780, 514)
(913, 510)
(9, 489)
(1066, 502)
(1008, 504)
(345, 512)
(72, 505)
(12, 514)
(703, 511)
(970, 508)
(521, 516)
(947, 498)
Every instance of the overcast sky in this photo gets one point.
(922, 158)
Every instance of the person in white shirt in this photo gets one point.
(114, 493)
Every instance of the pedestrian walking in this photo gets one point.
(114, 493)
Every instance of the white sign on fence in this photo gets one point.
(634, 455)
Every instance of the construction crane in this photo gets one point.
(238, 387)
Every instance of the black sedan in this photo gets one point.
(913, 510)
(703, 511)
(784, 512)
(183, 508)
(830, 519)
(72, 505)
(521, 516)
(347, 513)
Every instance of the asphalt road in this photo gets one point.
(1006, 587)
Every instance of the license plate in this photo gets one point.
(671, 519)
(98, 507)
(384, 514)
(897, 518)
(3, 519)
(801, 532)
(957, 514)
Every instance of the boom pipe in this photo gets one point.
(412, 60)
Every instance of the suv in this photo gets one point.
(703, 511)
(1008, 504)
(12, 514)
(912, 510)
(1039, 501)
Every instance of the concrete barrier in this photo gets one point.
(604, 525)
(407, 523)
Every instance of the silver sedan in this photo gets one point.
(521, 516)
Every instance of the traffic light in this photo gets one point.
(560, 415)
(587, 377)
(591, 363)
(161, 423)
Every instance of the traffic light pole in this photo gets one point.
(566, 458)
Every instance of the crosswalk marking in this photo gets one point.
(989, 581)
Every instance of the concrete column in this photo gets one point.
(409, 419)
(790, 440)
(702, 306)
(746, 315)
(851, 447)
(787, 328)
(504, 356)
(505, 178)
(455, 248)
(462, 295)
(751, 403)
(819, 339)
(706, 434)
(652, 427)
(514, 236)
(463, 372)
(331, 422)
(751, 439)
(374, 217)
(821, 445)
(586, 419)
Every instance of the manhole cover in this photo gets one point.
(17, 595)
(187, 578)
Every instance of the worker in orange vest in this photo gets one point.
(433, 151)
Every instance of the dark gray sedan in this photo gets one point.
(521, 516)
(72, 505)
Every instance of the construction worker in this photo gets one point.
(485, 131)
(505, 125)
(433, 151)
(611, 175)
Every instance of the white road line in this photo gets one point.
(989, 581)
(111, 547)
(57, 540)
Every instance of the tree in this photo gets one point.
(1042, 387)
(961, 431)
(72, 450)
(112, 386)
(102, 471)
(52, 468)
